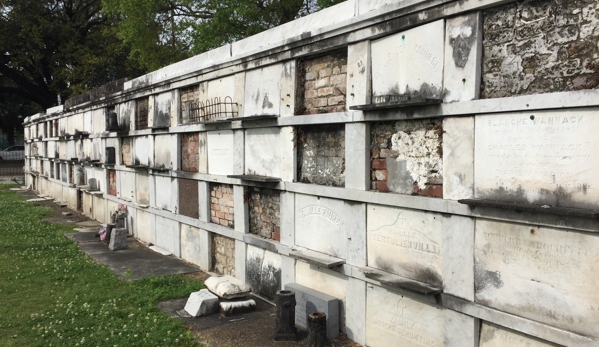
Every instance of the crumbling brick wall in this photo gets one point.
(223, 255)
(188, 94)
(190, 152)
(321, 154)
(540, 47)
(221, 204)
(265, 212)
(322, 84)
(126, 151)
(112, 182)
(189, 198)
(142, 113)
(407, 157)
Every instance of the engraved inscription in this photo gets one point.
(220, 152)
(321, 211)
(427, 55)
(545, 158)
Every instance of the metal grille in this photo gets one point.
(141, 119)
(210, 110)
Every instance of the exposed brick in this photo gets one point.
(321, 155)
(325, 72)
(379, 164)
(432, 190)
(276, 236)
(222, 204)
(190, 152)
(223, 255)
(264, 206)
(381, 175)
(382, 186)
(112, 184)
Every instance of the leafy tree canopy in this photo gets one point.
(162, 32)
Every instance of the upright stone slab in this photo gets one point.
(201, 303)
(118, 239)
(263, 90)
(309, 300)
(220, 152)
(406, 242)
(262, 152)
(544, 157)
(544, 274)
(496, 336)
(395, 320)
(410, 62)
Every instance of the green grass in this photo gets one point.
(52, 294)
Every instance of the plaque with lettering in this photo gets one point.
(406, 243)
(220, 152)
(546, 158)
(409, 63)
(320, 226)
(393, 320)
(544, 274)
(495, 336)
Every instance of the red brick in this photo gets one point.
(375, 153)
(276, 236)
(379, 164)
(381, 186)
(435, 191)
(381, 175)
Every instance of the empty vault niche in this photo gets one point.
(190, 152)
(321, 84)
(126, 151)
(407, 157)
(321, 154)
(188, 198)
(265, 210)
(221, 204)
(112, 184)
(223, 255)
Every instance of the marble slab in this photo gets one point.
(309, 301)
(496, 336)
(409, 62)
(544, 274)
(142, 144)
(142, 189)
(320, 225)
(262, 93)
(167, 235)
(164, 197)
(98, 121)
(126, 183)
(263, 272)
(164, 148)
(458, 158)
(544, 157)
(262, 152)
(162, 109)
(394, 320)
(87, 122)
(144, 225)
(190, 244)
(406, 242)
(220, 152)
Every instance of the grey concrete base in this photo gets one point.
(140, 261)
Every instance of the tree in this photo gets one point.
(53, 49)
(162, 32)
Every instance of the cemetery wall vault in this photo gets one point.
(429, 164)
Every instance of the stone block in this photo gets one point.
(220, 152)
(262, 152)
(202, 303)
(263, 272)
(118, 239)
(410, 62)
(227, 287)
(234, 307)
(262, 93)
(308, 301)
(541, 157)
(495, 336)
(458, 158)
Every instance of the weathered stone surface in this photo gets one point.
(262, 93)
(544, 274)
(542, 157)
(410, 62)
(262, 152)
(322, 83)
(201, 303)
(264, 207)
(394, 320)
(309, 301)
(118, 239)
(495, 336)
(220, 152)
(540, 47)
(405, 242)
(321, 155)
(223, 255)
(167, 235)
(227, 287)
(458, 158)
(263, 272)
(233, 307)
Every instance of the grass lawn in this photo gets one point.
(52, 294)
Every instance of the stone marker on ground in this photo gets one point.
(160, 250)
(233, 307)
(227, 287)
(201, 303)
(118, 239)
(309, 301)
(67, 214)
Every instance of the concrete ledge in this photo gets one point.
(400, 282)
(317, 258)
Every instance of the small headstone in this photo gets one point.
(227, 287)
(118, 239)
(309, 301)
(201, 303)
(240, 306)
(93, 185)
